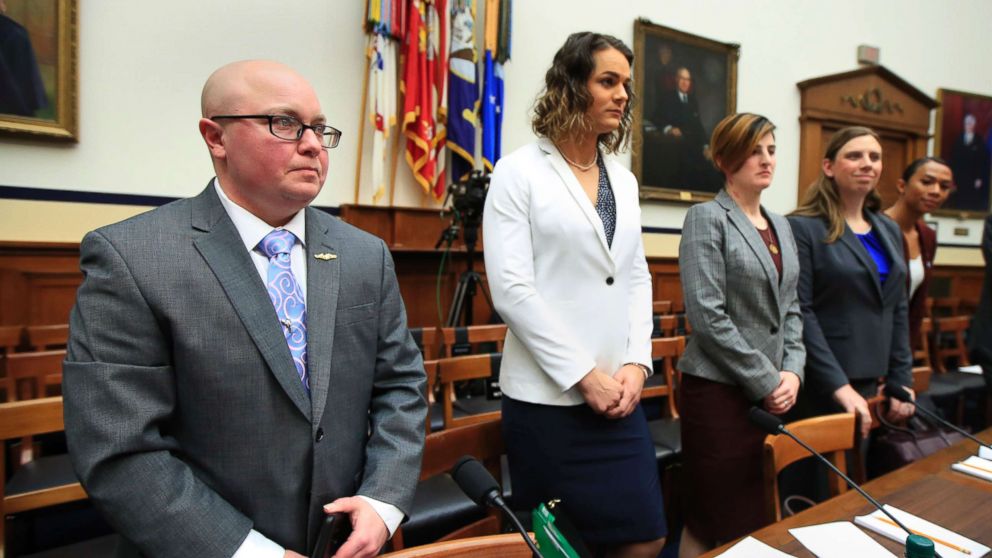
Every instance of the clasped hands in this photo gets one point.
(613, 396)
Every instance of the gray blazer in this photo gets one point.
(746, 324)
(854, 327)
(186, 420)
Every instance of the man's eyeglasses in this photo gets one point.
(290, 128)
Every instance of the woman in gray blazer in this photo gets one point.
(739, 269)
(852, 284)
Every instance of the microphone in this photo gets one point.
(476, 482)
(774, 426)
(900, 394)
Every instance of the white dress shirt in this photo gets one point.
(252, 230)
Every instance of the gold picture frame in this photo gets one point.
(969, 159)
(669, 163)
(51, 113)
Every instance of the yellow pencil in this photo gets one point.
(975, 467)
(931, 537)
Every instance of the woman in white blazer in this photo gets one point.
(566, 269)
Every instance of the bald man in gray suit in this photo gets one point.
(239, 363)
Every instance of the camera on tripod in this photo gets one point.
(468, 199)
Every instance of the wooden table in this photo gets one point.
(927, 488)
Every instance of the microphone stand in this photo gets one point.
(847, 479)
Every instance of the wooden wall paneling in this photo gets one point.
(666, 283)
(38, 282)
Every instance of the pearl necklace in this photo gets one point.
(595, 160)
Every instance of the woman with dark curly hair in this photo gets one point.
(566, 269)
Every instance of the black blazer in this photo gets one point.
(980, 338)
(854, 328)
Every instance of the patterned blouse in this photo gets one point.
(606, 204)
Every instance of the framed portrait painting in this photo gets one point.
(38, 75)
(684, 85)
(964, 139)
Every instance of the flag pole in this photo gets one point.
(361, 126)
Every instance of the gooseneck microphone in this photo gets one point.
(774, 426)
(900, 394)
(476, 482)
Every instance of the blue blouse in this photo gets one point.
(878, 253)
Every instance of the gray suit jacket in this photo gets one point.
(854, 328)
(746, 324)
(186, 420)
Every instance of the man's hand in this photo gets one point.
(368, 533)
(291, 554)
(783, 397)
(852, 402)
(631, 378)
(600, 391)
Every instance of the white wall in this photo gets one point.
(142, 65)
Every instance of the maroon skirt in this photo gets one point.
(721, 453)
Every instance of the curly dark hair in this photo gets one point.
(560, 109)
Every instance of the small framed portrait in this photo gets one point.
(684, 85)
(964, 139)
(38, 76)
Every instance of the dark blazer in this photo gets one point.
(918, 302)
(980, 338)
(854, 328)
(746, 323)
(186, 420)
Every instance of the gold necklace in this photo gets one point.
(595, 159)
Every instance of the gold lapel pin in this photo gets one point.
(325, 256)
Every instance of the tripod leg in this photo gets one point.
(458, 303)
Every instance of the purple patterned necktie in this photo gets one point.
(287, 297)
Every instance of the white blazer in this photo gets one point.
(571, 302)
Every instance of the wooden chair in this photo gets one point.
(453, 338)
(440, 511)
(921, 378)
(921, 353)
(831, 435)
(33, 375)
(494, 546)
(945, 306)
(48, 337)
(951, 342)
(435, 414)
(465, 411)
(44, 482)
(665, 353)
(669, 325)
(661, 307)
(11, 338)
(427, 339)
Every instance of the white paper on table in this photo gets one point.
(840, 539)
(973, 369)
(751, 547)
(922, 527)
(976, 467)
(985, 452)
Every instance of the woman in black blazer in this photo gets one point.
(852, 284)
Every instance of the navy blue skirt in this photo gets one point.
(604, 471)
